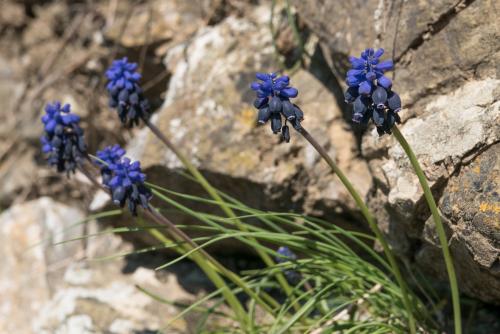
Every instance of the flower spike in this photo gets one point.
(273, 101)
(124, 178)
(125, 94)
(370, 91)
(63, 141)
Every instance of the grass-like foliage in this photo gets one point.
(339, 283)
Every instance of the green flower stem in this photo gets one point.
(222, 204)
(371, 222)
(439, 227)
(200, 258)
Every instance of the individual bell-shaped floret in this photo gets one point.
(394, 102)
(275, 105)
(384, 82)
(285, 131)
(379, 97)
(264, 115)
(276, 123)
(378, 117)
(288, 110)
(360, 107)
(118, 195)
(351, 94)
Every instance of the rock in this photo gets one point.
(13, 171)
(27, 264)
(47, 287)
(446, 57)
(470, 115)
(110, 302)
(471, 208)
(12, 14)
(154, 23)
(208, 114)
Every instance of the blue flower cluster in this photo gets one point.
(286, 255)
(108, 156)
(371, 92)
(125, 94)
(273, 101)
(124, 178)
(63, 140)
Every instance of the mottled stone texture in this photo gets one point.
(208, 113)
(447, 55)
(471, 206)
(47, 284)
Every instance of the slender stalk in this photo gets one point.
(199, 257)
(160, 219)
(371, 222)
(222, 204)
(439, 227)
(269, 302)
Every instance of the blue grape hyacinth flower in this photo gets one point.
(108, 156)
(367, 69)
(125, 93)
(124, 179)
(370, 91)
(273, 102)
(286, 255)
(63, 141)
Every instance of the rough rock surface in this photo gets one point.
(447, 55)
(46, 287)
(24, 264)
(208, 113)
(471, 207)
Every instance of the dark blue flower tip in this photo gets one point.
(368, 71)
(351, 94)
(394, 102)
(273, 101)
(275, 122)
(264, 115)
(379, 97)
(381, 106)
(124, 178)
(285, 132)
(125, 93)
(63, 141)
